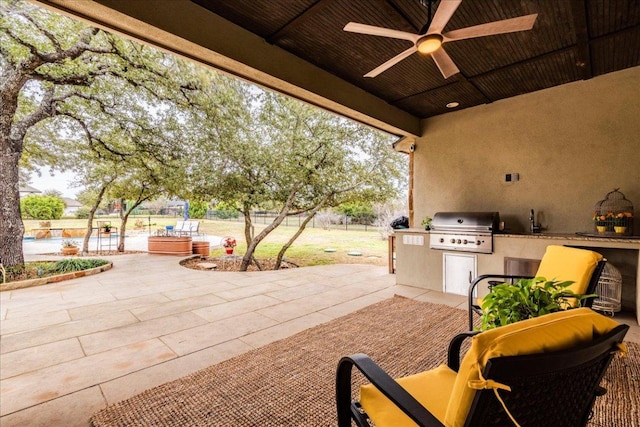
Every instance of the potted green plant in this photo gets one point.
(426, 222)
(69, 247)
(106, 228)
(526, 298)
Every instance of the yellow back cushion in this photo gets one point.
(561, 263)
(552, 332)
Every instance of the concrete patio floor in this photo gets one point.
(69, 349)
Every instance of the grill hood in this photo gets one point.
(477, 222)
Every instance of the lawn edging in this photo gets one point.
(20, 284)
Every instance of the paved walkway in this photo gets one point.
(69, 349)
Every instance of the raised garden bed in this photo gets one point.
(170, 245)
(20, 284)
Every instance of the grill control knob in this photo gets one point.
(478, 242)
(459, 241)
(465, 241)
(453, 240)
(441, 240)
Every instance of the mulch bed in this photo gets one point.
(233, 264)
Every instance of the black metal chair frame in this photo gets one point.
(556, 388)
(476, 309)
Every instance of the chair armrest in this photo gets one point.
(383, 382)
(453, 354)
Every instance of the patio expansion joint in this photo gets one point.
(59, 397)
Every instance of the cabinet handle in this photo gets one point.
(470, 277)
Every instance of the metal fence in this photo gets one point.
(342, 222)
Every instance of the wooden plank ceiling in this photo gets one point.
(571, 40)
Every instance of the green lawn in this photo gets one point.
(308, 249)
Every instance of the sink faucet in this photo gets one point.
(532, 223)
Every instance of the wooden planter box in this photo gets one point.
(201, 248)
(169, 245)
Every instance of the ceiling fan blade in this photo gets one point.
(445, 63)
(354, 27)
(390, 63)
(441, 18)
(521, 23)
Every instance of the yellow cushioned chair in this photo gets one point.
(559, 263)
(541, 371)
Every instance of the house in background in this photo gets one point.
(71, 206)
(26, 190)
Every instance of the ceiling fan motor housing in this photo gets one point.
(429, 43)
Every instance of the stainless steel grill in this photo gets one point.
(464, 231)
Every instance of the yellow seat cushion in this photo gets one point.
(431, 388)
(551, 332)
(561, 263)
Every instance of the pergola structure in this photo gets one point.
(300, 48)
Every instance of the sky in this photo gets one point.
(61, 181)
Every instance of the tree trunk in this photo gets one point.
(252, 243)
(123, 229)
(124, 217)
(11, 226)
(123, 224)
(92, 213)
(294, 237)
(251, 246)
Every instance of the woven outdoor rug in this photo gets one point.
(291, 382)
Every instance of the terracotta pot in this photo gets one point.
(70, 250)
(229, 251)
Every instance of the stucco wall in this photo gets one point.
(570, 144)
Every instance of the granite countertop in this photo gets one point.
(583, 236)
(574, 236)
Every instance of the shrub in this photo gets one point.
(76, 264)
(34, 269)
(359, 212)
(226, 211)
(326, 218)
(198, 209)
(42, 207)
(82, 213)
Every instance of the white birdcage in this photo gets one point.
(609, 290)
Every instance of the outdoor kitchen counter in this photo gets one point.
(634, 240)
(621, 252)
(418, 265)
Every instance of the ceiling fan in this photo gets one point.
(431, 38)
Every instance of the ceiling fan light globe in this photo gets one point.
(429, 44)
